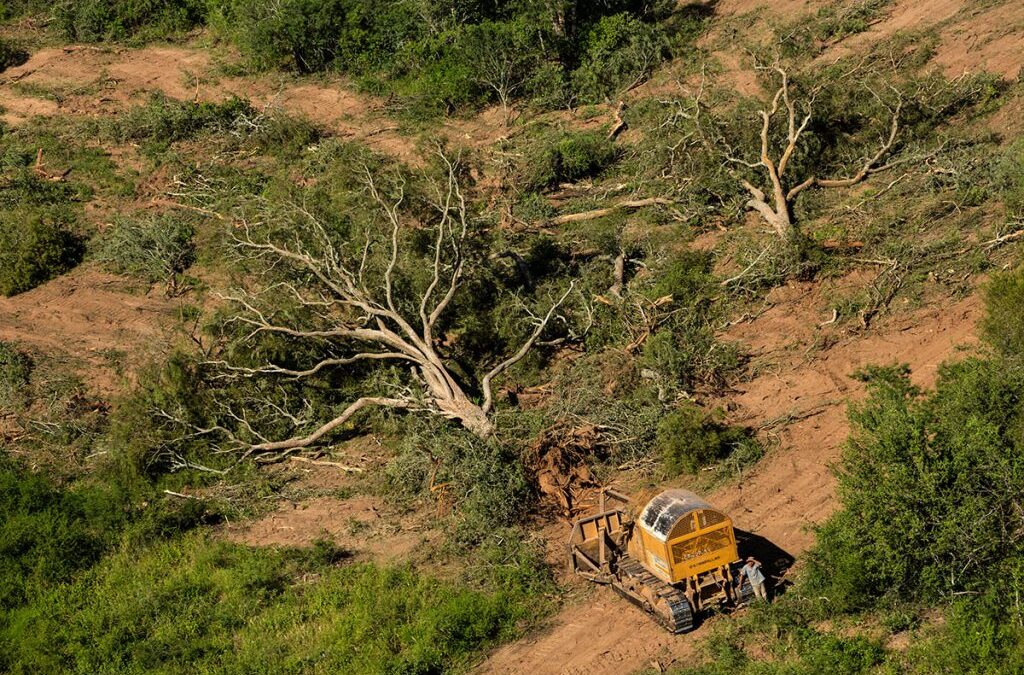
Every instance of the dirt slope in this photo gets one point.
(91, 81)
(93, 316)
(800, 394)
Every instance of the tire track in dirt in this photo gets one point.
(92, 316)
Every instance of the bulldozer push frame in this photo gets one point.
(676, 559)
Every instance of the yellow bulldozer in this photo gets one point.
(674, 560)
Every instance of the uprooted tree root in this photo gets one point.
(558, 461)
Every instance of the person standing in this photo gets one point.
(752, 570)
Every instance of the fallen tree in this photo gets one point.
(362, 310)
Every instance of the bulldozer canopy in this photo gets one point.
(664, 511)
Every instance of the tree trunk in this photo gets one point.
(469, 414)
(453, 403)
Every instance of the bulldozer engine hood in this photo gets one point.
(662, 512)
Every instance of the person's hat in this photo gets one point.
(750, 559)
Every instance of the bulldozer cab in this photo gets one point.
(681, 536)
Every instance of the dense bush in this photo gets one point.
(100, 20)
(231, 124)
(15, 8)
(11, 55)
(620, 51)
(165, 120)
(441, 56)
(1002, 326)
(928, 485)
(688, 439)
(438, 55)
(1010, 179)
(564, 157)
(982, 635)
(34, 247)
(304, 35)
(155, 249)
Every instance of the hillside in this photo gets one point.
(320, 322)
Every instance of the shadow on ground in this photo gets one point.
(774, 560)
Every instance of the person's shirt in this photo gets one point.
(753, 573)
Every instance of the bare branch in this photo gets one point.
(600, 213)
(272, 369)
(775, 206)
(523, 350)
(345, 416)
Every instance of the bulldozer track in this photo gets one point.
(679, 615)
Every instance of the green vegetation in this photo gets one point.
(231, 125)
(562, 157)
(1010, 179)
(938, 466)
(34, 247)
(14, 371)
(165, 120)
(48, 176)
(641, 244)
(444, 56)
(618, 52)
(155, 249)
(137, 20)
(1002, 326)
(11, 55)
(688, 440)
(438, 56)
(174, 600)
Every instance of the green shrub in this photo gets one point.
(564, 157)
(302, 35)
(12, 9)
(835, 22)
(34, 247)
(620, 51)
(11, 55)
(109, 20)
(1010, 179)
(979, 635)
(165, 120)
(233, 123)
(155, 248)
(1003, 323)
(14, 371)
(486, 482)
(689, 439)
(282, 135)
(927, 510)
(440, 57)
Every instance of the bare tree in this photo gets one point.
(775, 202)
(361, 318)
(505, 56)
